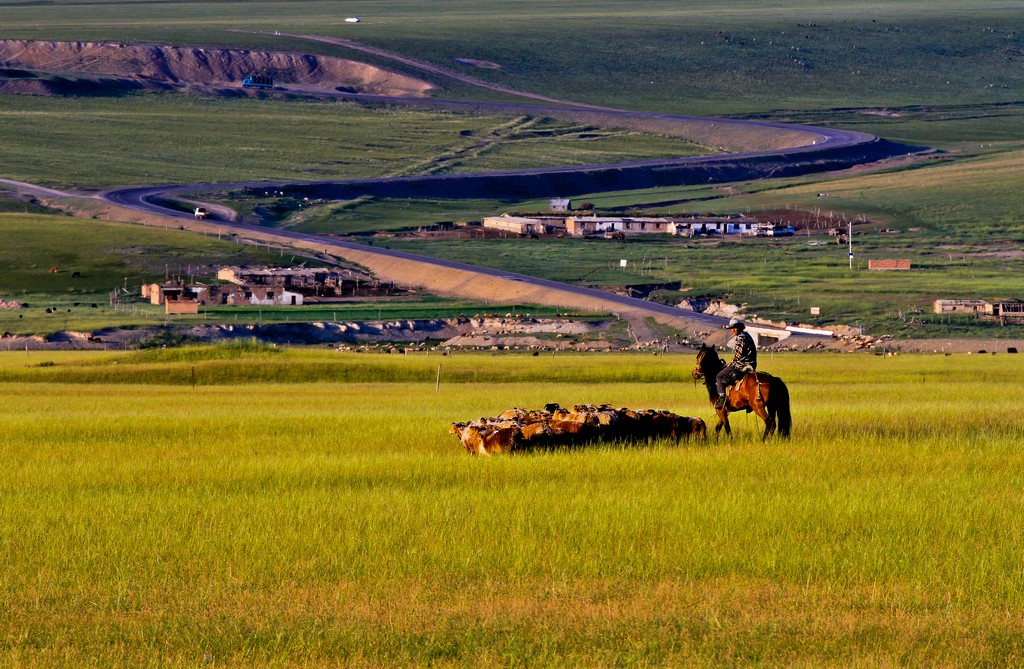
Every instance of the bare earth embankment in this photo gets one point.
(60, 68)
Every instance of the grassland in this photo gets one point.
(331, 520)
(92, 260)
(66, 270)
(955, 216)
(51, 250)
(935, 74)
(653, 54)
(96, 142)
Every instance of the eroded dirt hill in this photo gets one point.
(44, 67)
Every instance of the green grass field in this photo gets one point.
(830, 64)
(95, 142)
(261, 519)
(653, 54)
(252, 506)
(92, 259)
(955, 216)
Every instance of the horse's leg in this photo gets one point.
(723, 421)
(769, 420)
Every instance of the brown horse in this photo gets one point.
(762, 393)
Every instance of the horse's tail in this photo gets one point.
(778, 405)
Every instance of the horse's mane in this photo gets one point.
(710, 362)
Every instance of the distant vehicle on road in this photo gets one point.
(352, 19)
(201, 213)
(258, 81)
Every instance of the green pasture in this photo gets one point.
(956, 216)
(61, 255)
(369, 216)
(93, 259)
(89, 143)
(932, 74)
(210, 507)
(929, 72)
(64, 270)
(653, 54)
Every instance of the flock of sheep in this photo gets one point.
(518, 430)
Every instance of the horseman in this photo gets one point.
(744, 359)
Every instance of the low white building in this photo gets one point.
(579, 226)
(972, 307)
(516, 224)
(698, 226)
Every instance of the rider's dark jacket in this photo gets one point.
(744, 351)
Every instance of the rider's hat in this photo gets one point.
(735, 323)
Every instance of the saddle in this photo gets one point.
(734, 387)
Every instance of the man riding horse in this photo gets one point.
(764, 394)
(744, 359)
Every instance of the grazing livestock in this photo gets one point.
(489, 438)
(553, 427)
(568, 433)
(514, 414)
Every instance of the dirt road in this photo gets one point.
(783, 150)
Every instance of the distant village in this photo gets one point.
(617, 227)
(562, 220)
(265, 287)
(295, 287)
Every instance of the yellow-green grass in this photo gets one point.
(325, 524)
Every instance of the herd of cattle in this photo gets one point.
(518, 430)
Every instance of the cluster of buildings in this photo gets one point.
(261, 287)
(575, 225)
(1010, 311)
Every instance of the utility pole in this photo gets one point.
(849, 240)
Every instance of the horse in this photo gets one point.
(762, 393)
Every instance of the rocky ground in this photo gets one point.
(492, 333)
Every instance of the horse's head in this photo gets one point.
(708, 363)
(698, 373)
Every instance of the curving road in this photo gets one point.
(566, 294)
(808, 149)
(825, 149)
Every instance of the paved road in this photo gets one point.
(817, 149)
(820, 142)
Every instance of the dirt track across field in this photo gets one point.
(433, 275)
(767, 150)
